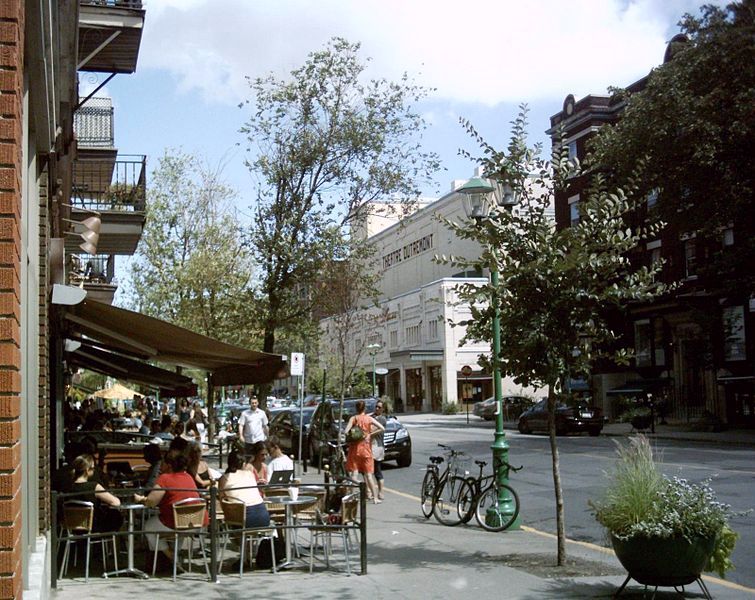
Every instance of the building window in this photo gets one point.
(432, 330)
(652, 198)
(412, 335)
(572, 149)
(643, 343)
(690, 258)
(734, 333)
(574, 210)
(728, 239)
(393, 337)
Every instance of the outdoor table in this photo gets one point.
(130, 569)
(289, 503)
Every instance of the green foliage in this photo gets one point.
(695, 125)
(190, 267)
(450, 408)
(325, 145)
(640, 502)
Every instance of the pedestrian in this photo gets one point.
(278, 460)
(359, 459)
(378, 446)
(252, 425)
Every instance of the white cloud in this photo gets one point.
(485, 51)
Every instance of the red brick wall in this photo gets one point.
(11, 78)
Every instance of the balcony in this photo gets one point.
(93, 124)
(96, 274)
(117, 190)
(110, 33)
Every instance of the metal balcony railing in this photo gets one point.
(93, 124)
(114, 3)
(91, 269)
(122, 188)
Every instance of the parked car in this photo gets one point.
(513, 406)
(324, 428)
(285, 426)
(573, 417)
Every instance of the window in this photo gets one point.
(572, 149)
(412, 335)
(728, 238)
(734, 333)
(652, 198)
(642, 343)
(393, 337)
(432, 329)
(690, 258)
(574, 210)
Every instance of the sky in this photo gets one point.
(482, 58)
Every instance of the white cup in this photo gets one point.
(293, 492)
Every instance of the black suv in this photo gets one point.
(324, 428)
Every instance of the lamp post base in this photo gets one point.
(506, 504)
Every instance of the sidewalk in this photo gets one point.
(408, 557)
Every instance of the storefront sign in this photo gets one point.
(410, 250)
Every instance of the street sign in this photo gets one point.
(297, 363)
(381, 371)
(466, 370)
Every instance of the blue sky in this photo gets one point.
(483, 57)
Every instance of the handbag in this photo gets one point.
(355, 434)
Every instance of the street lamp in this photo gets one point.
(480, 197)
(373, 348)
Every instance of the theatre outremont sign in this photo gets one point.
(408, 251)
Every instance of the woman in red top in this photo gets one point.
(173, 484)
(359, 459)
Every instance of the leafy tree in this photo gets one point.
(326, 147)
(556, 287)
(190, 267)
(695, 124)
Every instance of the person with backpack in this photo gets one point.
(359, 458)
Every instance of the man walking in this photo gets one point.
(253, 425)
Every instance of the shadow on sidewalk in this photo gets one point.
(570, 588)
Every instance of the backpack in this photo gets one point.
(264, 558)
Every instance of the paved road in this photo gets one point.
(583, 460)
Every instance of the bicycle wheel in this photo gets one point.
(427, 492)
(446, 500)
(465, 505)
(493, 515)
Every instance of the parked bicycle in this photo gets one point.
(439, 494)
(495, 505)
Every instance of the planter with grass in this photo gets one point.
(665, 531)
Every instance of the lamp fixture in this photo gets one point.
(91, 233)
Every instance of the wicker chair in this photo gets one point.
(234, 514)
(349, 514)
(306, 514)
(78, 519)
(188, 517)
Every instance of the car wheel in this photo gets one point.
(488, 418)
(561, 429)
(404, 460)
(594, 431)
(523, 427)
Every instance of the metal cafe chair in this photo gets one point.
(78, 519)
(234, 514)
(188, 518)
(325, 530)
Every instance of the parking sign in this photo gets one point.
(297, 363)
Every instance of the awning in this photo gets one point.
(641, 386)
(146, 338)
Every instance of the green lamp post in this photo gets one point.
(373, 348)
(480, 195)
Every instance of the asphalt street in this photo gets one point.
(583, 462)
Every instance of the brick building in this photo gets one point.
(693, 348)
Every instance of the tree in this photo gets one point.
(694, 123)
(326, 147)
(190, 267)
(556, 287)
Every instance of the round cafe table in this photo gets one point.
(289, 503)
(130, 569)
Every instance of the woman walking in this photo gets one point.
(360, 459)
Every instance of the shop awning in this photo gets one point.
(146, 338)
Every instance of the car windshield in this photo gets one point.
(349, 408)
(306, 415)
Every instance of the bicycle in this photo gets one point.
(439, 492)
(481, 497)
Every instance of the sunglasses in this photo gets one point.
(379, 406)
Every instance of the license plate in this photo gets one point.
(586, 415)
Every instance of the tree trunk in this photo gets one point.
(560, 528)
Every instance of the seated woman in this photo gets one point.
(241, 485)
(256, 462)
(153, 454)
(197, 467)
(105, 518)
(173, 484)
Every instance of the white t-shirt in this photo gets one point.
(282, 463)
(253, 423)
